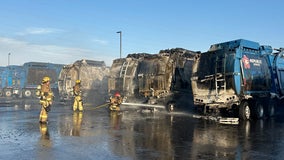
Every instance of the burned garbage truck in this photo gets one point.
(154, 80)
(239, 78)
(93, 76)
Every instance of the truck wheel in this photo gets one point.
(8, 93)
(270, 109)
(259, 110)
(170, 106)
(245, 111)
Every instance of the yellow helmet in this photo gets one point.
(45, 79)
(78, 81)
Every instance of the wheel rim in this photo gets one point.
(247, 112)
(170, 107)
(28, 93)
(260, 111)
(8, 93)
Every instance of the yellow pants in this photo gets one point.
(43, 113)
(77, 121)
(78, 103)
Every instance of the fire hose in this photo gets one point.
(100, 106)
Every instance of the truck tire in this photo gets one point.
(8, 93)
(259, 110)
(245, 111)
(270, 112)
(170, 106)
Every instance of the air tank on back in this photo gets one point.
(93, 76)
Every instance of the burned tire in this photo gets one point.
(245, 111)
(259, 110)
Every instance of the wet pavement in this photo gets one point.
(132, 134)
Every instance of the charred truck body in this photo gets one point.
(93, 76)
(154, 79)
(239, 77)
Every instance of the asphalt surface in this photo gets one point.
(132, 134)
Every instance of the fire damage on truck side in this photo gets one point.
(154, 80)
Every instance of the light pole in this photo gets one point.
(9, 59)
(120, 34)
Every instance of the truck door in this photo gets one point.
(256, 75)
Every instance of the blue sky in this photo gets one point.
(63, 31)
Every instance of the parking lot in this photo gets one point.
(132, 134)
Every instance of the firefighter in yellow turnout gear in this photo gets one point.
(78, 103)
(115, 102)
(46, 97)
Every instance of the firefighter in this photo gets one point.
(78, 103)
(46, 97)
(115, 102)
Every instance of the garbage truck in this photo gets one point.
(153, 80)
(93, 75)
(12, 81)
(238, 78)
(34, 72)
(21, 81)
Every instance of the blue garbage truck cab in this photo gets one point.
(11, 81)
(1, 80)
(239, 77)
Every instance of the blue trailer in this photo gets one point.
(240, 78)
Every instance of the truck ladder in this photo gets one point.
(220, 73)
(123, 69)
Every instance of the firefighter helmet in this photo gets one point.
(117, 94)
(78, 81)
(45, 79)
